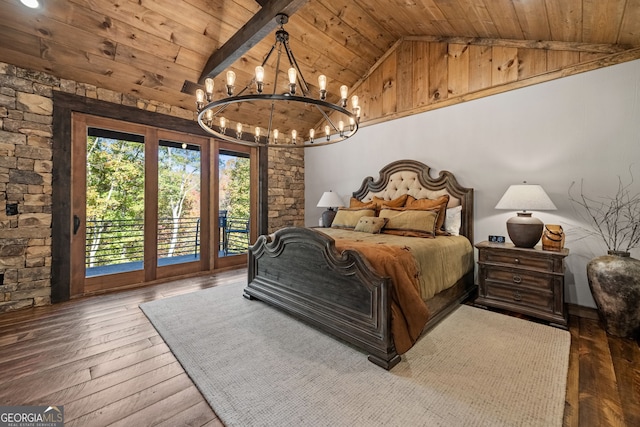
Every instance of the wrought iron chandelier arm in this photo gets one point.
(253, 79)
(211, 112)
(292, 61)
(327, 118)
(266, 58)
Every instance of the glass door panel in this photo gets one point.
(144, 204)
(115, 202)
(139, 205)
(234, 203)
(179, 201)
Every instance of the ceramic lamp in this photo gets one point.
(525, 230)
(329, 200)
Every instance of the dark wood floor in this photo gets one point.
(101, 358)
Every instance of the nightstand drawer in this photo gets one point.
(523, 280)
(526, 298)
(515, 259)
(519, 278)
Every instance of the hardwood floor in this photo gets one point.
(102, 359)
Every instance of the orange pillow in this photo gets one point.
(377, 203)
(428, 204)
(355, 203)
(395, 203)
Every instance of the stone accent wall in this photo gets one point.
(26, 116)
(286, 188)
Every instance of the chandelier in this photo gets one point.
(337, 124)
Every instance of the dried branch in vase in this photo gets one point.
(615, 219)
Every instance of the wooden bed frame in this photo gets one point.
(300, 271)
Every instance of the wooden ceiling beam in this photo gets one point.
(251, 33)
(527, 44)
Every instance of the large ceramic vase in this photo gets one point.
(614, 280)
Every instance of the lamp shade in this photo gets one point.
(524, 230)
(329, 200)
(526, 197)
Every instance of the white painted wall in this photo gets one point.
(585, 126)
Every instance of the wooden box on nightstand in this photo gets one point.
(527, 281)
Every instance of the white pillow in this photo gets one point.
(453, 220)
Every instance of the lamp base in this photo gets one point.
(524, 230)
(329, 215)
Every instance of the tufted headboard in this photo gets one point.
(412, 177)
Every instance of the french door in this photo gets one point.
(235, 202)
(142, 204)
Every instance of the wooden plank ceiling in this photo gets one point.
(149, 48)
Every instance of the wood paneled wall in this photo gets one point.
(420, 74)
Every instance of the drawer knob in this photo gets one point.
(517, 279)
(517, 296)
(517, 260)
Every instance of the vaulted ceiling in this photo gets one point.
(150, 48)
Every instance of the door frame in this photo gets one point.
(252, 152)
(82, 285)
(65, 105)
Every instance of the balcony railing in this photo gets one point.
(111, 242)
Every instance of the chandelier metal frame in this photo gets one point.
(210, 111)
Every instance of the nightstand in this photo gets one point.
(526, 281)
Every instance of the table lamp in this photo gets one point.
(524, 230)
(329, 200)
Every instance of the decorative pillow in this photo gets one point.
(428, 204)
(395, 203)
(370, 224)
(453, 221)
(348, 217)
(410, 222)
(355, 203)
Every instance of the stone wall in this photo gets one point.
(26, 115)
(26, 111)
(286, 188)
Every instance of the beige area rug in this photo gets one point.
(259, 367)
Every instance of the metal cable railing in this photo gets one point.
(120, 241)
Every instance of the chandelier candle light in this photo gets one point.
(524, 230)
(338, 122)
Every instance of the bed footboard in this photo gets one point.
(300, 271)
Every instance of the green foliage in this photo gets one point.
(178, 198)
(115, 179)
(115, 199)
(234, 195)
(178, 181)
(239, 172)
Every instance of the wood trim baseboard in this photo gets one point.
(582, 311)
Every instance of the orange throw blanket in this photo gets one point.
(409, 313)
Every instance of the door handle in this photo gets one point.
(76, 224)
